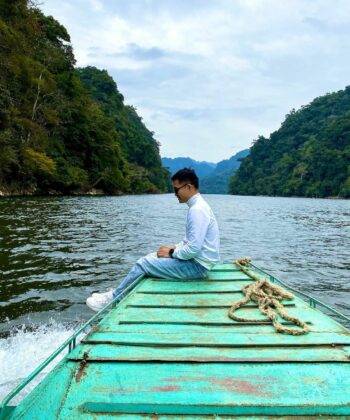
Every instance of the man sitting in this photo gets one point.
(192, 258)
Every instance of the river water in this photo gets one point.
(56, 251)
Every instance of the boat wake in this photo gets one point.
(24, 349)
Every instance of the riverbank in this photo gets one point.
(99, 192)
(33, 190)
(54, 193)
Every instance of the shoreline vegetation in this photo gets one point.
(308, 156)
(100, 193)
(53, 193)
(65, 129)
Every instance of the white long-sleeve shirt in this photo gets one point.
(201, 240)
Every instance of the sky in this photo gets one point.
(210, 76)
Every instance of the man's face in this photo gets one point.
(183, 190)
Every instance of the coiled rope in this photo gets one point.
(268, 297)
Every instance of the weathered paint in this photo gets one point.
(222, 300)
(109, 352)
(221, 275)
(192, 287)
(169, 350)
(212, 339)
(217, 388)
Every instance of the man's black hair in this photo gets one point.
(186, 175)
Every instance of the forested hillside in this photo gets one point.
(217, 182)
(308, 156)
(62, 129)
(137, 143)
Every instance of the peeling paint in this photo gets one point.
(168, 388)
(242, 387)
(82, 367)
(168, 349)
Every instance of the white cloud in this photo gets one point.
(96, 5)
(209, 76)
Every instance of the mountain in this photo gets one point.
(65, 130)
(213, 177)
(138, 146)
(217, 182)
(202, 169)
(309, 155)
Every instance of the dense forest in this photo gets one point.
(65, 129)
(308, 156)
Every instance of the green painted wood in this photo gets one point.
(103, 407)
(114, 416)
(196, 315)
(170, 350)
(221, 275)
(192, 287)
(228, 339)
(104, 352)
(206, 389)
(48, 398)
(225, 267)
(228, 275)
(208, 316)
(238, 328)
(224, 300)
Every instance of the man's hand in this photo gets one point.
(163, 251)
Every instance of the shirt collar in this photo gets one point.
(193, 200)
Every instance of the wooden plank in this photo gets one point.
(225, 267)
(242, 328)
(205, 315)
(250, 389)
(171, 317)
(228, 275)
(221, 275)
(207, 365)
(204, 286)
(226, 339)
(211, 389)
(110, 352)
(185, 305)
(224, 300)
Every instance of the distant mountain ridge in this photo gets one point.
(213, 177)
(217, 182)
(202, 169)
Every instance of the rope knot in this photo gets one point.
(268, 296)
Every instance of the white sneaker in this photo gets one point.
(98, 301)
(108, 290)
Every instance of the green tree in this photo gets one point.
(307, 156)
(62, 128)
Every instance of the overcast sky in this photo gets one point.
(209, 76)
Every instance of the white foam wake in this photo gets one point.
(24, 350)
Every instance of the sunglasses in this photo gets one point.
(177, 189)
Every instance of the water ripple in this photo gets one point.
(56, 251)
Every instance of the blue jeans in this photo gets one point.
(152, 266)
